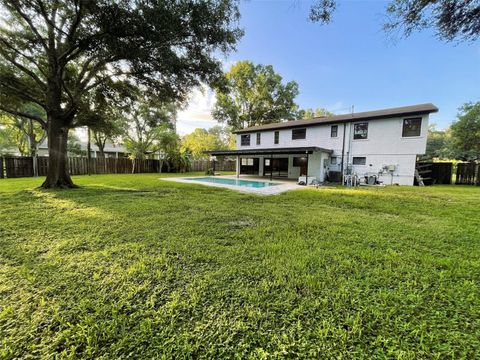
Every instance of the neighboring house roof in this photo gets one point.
(412, 110)
(261, 151)
(109, 147)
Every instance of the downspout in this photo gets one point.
(343, 149)
(306, 175)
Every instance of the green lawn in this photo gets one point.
(129, 266)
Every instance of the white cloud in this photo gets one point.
(197, 113)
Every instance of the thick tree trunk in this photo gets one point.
(58, 175)
(101, 152)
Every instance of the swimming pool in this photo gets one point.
(234, 182)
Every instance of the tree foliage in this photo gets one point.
(24, 134)
(439, 144)
(451, 20)
(313, 113)
(7, 143)
(254, 95)
(53, 53)
(74, 147)
(466, 132)
(201, 140)
(148, 127)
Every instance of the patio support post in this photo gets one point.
(271, 166)
(238, 166)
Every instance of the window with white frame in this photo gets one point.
(412, 127)
(360, 131)
(247, 162)
(245, 140)
(359, 160)
(334, 131)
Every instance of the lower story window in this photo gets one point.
(247, 162)
(299, 161)
(359, 160)
(333, 160)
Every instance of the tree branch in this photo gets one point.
(25, 115)
(29, 58)
(23, 93)
(26, 71)
(29, 21)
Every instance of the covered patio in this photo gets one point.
(280, 163)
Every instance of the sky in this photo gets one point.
(351, 61)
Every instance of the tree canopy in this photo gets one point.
(148, 128)
(451, 20)
(466, 132)
(200, 140)
(254, 95)
(313, 113)
(53, 53)
(439, 143)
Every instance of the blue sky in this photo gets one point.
(350, 61)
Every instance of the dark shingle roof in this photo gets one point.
(412, 110)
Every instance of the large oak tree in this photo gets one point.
(254, 95)
(52, 53)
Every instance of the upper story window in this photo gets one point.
(333, 160)
(276, 137)
(299, 134)
(412, 127)
(259, 137)
(360, 131)
(245, 140)
(334, 131)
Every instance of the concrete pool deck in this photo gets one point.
(283, 185)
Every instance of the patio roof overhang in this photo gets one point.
(270, 151)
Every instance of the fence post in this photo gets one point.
(477, 175)
(1, 168)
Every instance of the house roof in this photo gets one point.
(411, 110)
(109, 147)
(269, 151)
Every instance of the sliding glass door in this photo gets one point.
(276, 167)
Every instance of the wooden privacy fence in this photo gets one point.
(468, 174)
(220, 165)
(15, 167)
(435, 172)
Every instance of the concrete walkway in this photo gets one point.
(283, 185)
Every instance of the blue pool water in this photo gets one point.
(234, 182)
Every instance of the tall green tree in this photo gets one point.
(254, 95)
(450, 19)
(201, 140)
(52, 53)
(465, 132)
(148, 127)
(439, 143)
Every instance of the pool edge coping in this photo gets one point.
(267, 190)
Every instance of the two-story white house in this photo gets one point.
(382, 142)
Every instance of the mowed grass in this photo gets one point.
(130, 266)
